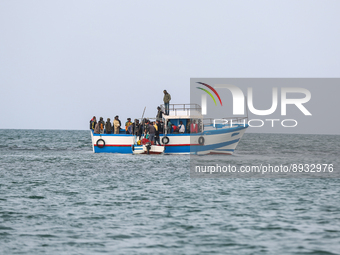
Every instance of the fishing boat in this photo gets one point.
(201, 136)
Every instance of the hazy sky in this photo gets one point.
(61, 62)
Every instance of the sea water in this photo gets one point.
(58, 197)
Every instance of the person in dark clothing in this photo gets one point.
(108, 126)
(120, 123)
(158, 125)
(161, 127)
(141, 129)
(188, 126)
(159, 115)
(93, 123)
(102, 125)
(145, 126)
(137, 131)
(169, 127)
(142, 126)
(152, 132)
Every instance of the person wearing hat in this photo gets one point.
(116, 125)
(159, 115)
(127, 124)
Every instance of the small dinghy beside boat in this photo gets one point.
(147, 149)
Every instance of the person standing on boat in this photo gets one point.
(108, 126)
(131, 128)
(97, 128)
(146, 135)
(166, 100)
(169, 127)
(194, 127)
(102, 124)
(116, 125)
(137, 129)
(127, 124)
(93, 123)
(120, 124)
(152, 132)
(181, 127)
(174, 129)
(157, 127)
(161, 127)
(159, 115)
(188, 126)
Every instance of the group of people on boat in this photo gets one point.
(102, 127)
(139, 129)
(148, 129)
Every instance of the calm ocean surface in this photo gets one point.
(57, 197)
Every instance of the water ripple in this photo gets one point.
(57, 197)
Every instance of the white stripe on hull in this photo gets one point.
(179, 141)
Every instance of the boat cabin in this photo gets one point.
(187, 114)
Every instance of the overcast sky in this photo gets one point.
(61, 62)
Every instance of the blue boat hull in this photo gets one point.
(215, 141)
